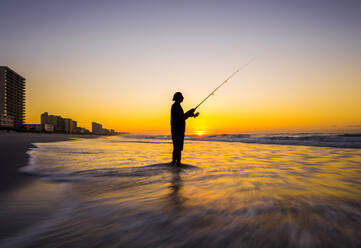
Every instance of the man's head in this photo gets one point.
(178, 97)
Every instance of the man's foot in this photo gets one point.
(172, 163)
(178, 164)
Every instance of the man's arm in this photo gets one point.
(189, 113)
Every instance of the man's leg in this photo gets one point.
(179, 155)
(180, 142)
(174, 156)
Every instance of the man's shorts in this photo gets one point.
(178, 140)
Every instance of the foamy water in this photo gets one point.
(122, 193)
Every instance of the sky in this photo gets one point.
(120, 62)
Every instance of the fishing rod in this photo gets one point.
(225, 81)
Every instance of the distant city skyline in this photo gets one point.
(119, 63)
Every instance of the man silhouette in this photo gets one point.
(178, 124)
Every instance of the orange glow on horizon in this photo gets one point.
(106, 64)
(252, 102)
(200, 133)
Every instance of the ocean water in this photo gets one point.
(302, 139)
(121, 192)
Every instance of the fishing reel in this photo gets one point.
(196, 115)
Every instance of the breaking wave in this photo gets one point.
(321, 140)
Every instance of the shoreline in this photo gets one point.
(25, 199)
(14, 148)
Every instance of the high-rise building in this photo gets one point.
(97, 128)
(12, 95)
(68, 125)
(56, 121)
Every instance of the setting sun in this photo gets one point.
(200, 133)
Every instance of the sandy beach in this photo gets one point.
(24, 199)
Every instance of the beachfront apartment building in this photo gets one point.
(56, 121)
(97, 128)
(12, 96)
(48, 128)
(68, 125)
(6, 121)
(75, 124)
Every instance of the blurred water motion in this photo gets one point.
(122, 193)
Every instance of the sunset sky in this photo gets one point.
(119, 62)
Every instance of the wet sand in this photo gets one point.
(120, 192)
(24, 199)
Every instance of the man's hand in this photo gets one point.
(190, 113)
(196, 115)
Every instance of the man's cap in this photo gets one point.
(177, 95)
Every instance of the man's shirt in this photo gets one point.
(177, 119)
